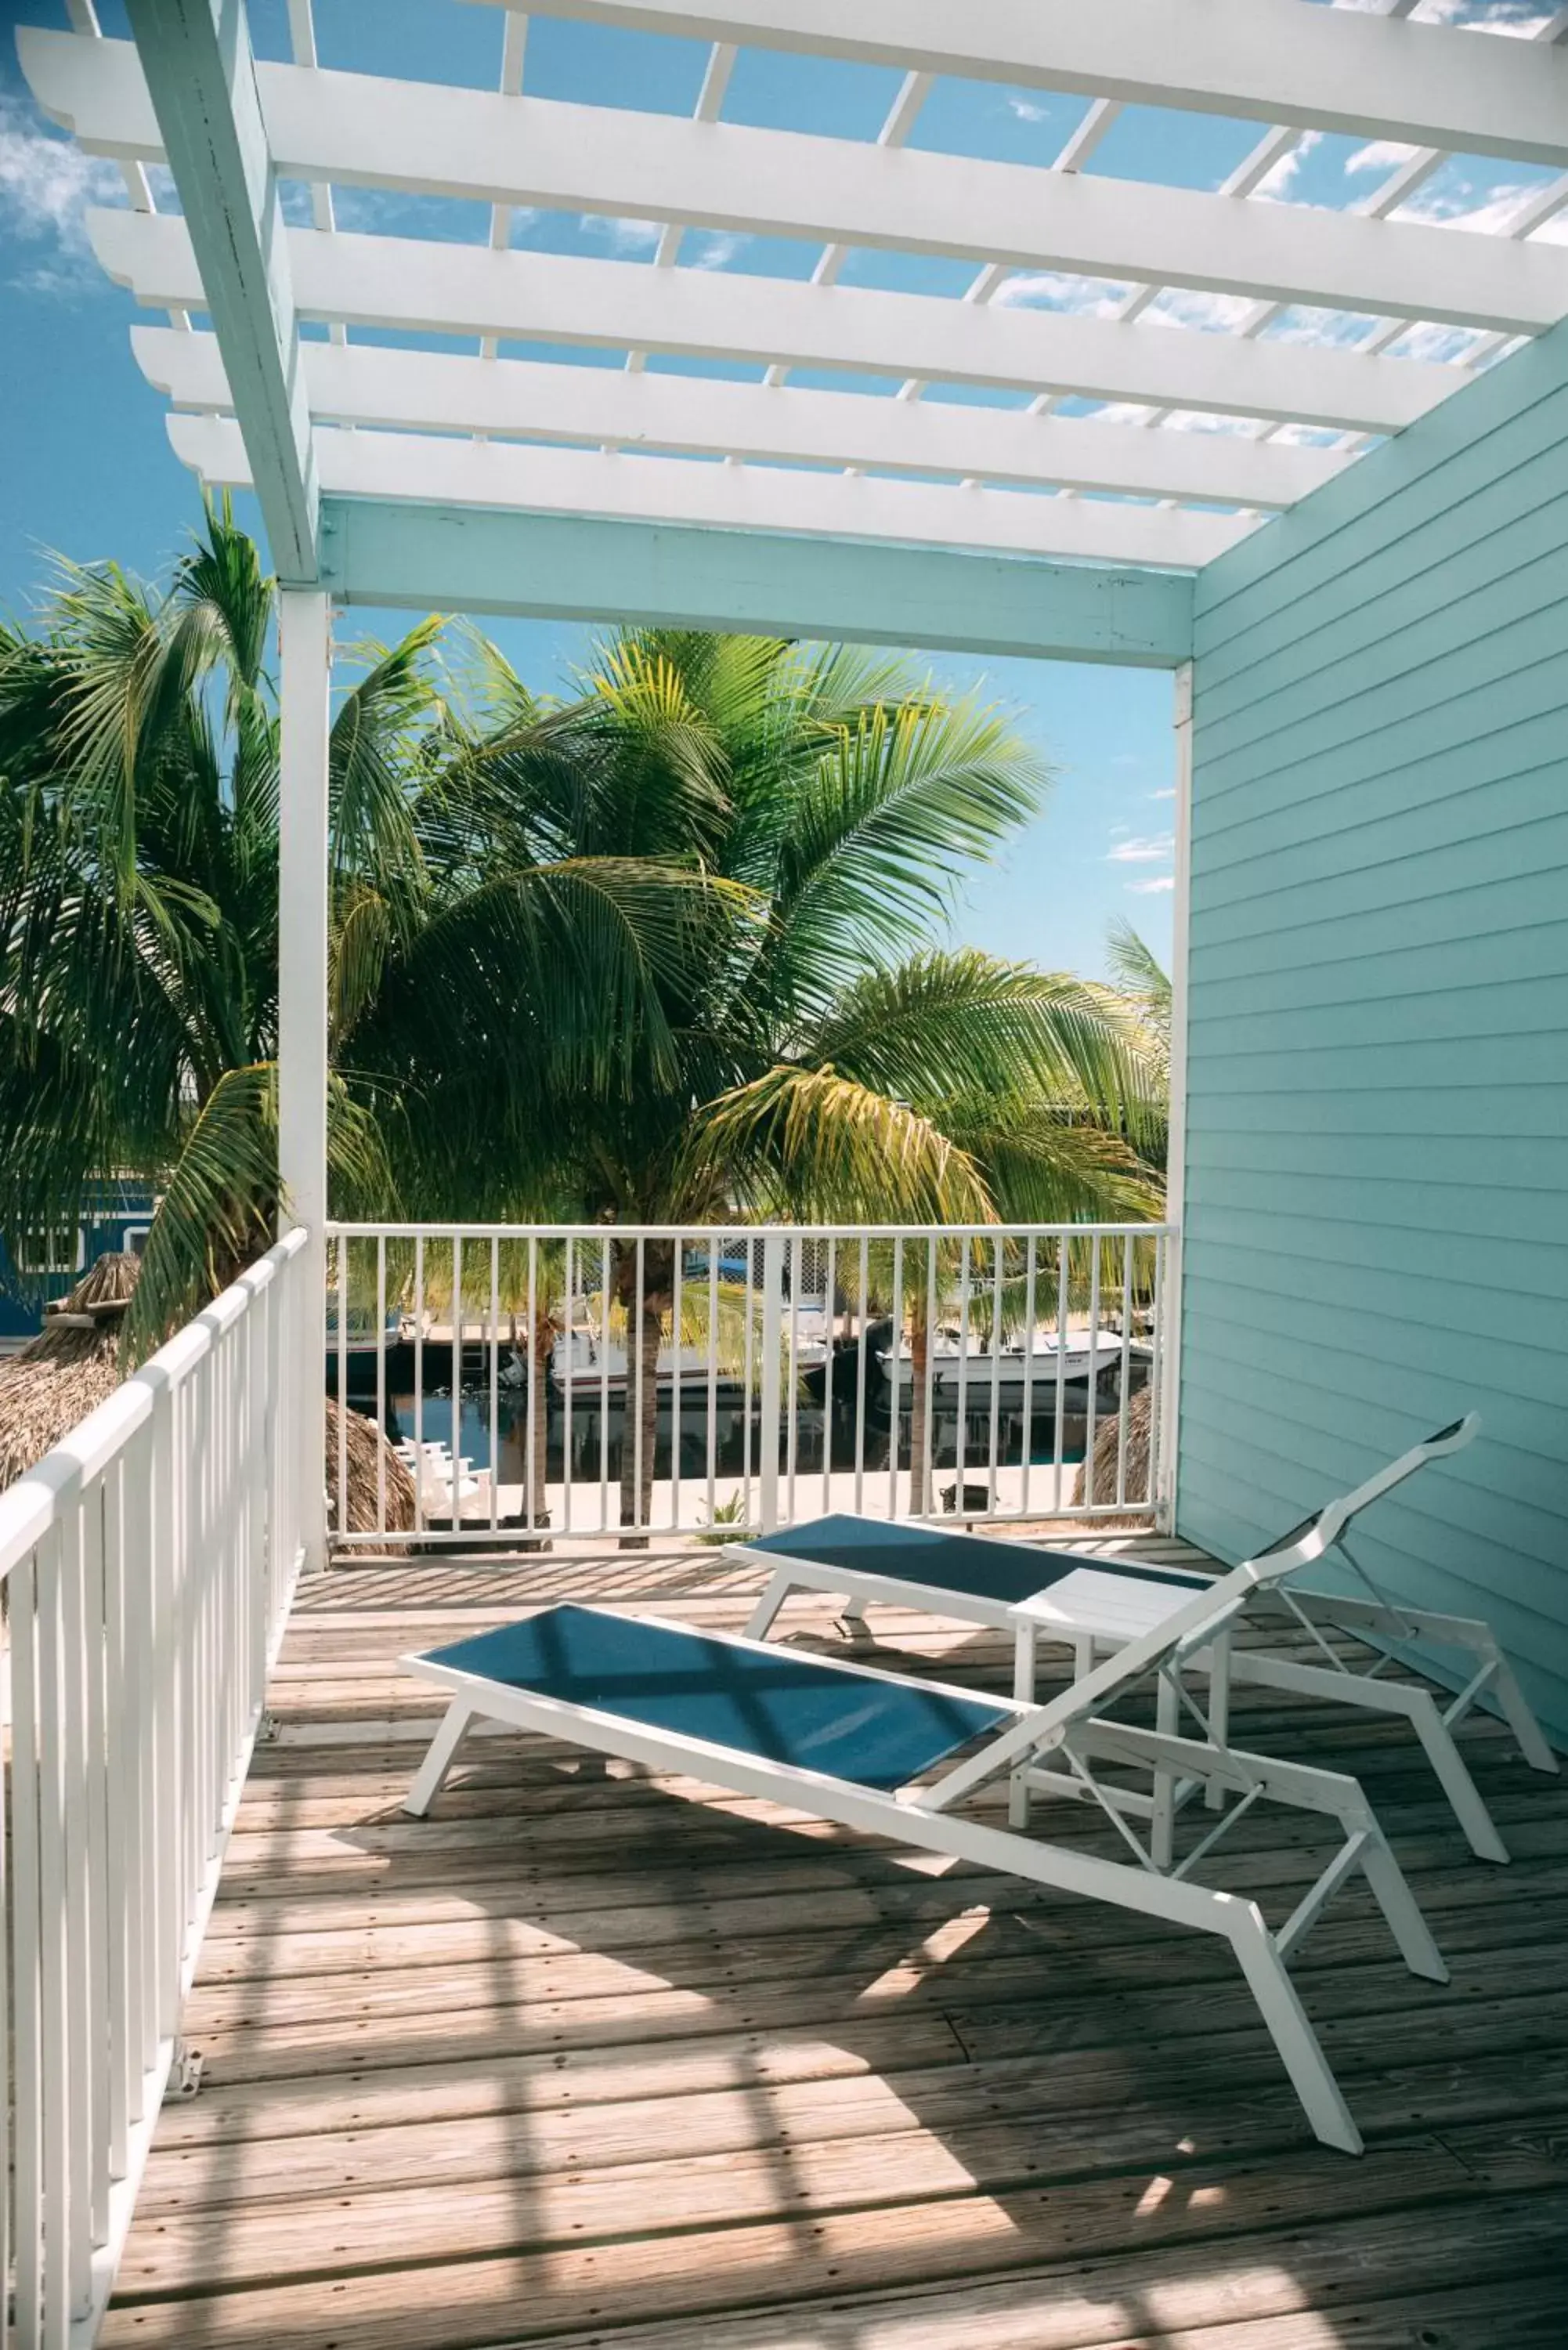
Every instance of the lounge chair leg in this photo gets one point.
(1461, 1789)
(439, 1760)
(1162, 1822)
(1520, 1719)
(1219, 1712)
(775, 1591)
(1290, 2028)
(1399, 1906)
(1023, 1675)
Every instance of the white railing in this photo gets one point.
(590, 1381)
(146, 1565)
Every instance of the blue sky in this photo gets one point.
(85, 468)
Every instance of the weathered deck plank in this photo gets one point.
(585, 2060)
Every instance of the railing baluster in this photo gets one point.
(713, 1372)
(792, 1375)
(27, 1946)
(898, 1359)
(1123, 1375)
(420, 1384)
(1064, 1302)
(1026, 1421)
(381, 1382)
(676, 1389)
(604, 1385)
(494, 1383)
(1094, 1390)
(860, 1354)
(830, 1365)
(456, 1382)
(342, 1384)
(567, 1390)
(995, 1375)
(928, 1463)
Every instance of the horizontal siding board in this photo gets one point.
(1412, 1318)
(1300, 1375)
(1460, 1281)
(1383, 650)
(1486, 914)
(1418, 1065)
(1451, 550)
(1533, 1007)
(1447, 1526)
(1523, 747)
(1483, 664)
(1462, 1216)
(1388, 741)
(1454, 962)
(1489, 426)
(1523, 1164)
(1450, 846)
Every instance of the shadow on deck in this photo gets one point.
(579, 2061)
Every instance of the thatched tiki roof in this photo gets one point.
(1135, 1493)
(68, 1370)
(73, 1365)
(369, 1453)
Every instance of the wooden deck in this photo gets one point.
(577, 2060)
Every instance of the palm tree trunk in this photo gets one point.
(641, 1417)
(919, 1355)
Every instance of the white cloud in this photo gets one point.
(1459, 204)
(1169, 793)
(1279, 177)
(1141, 851)
(1026, 109)
(1209, 314)
(1155, 887)
(623, 235)
(719, 250)
(45, 186)
(1051, 289)
(1379, 155)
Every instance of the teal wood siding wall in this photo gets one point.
(1377, 1109)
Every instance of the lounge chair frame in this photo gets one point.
(1223, 1663)
(1069, 1729)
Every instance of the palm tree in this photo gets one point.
(138, 916)
(810, 1051)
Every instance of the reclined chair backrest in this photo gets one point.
(1206, 1614)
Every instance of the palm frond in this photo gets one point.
(815, 1144)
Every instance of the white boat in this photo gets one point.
(582, 1362)
(1082, 1356)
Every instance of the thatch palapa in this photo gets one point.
(1135, 1495)
(369, 1456)
(73, 1366)
(68, 1370)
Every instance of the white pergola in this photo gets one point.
(474, 479)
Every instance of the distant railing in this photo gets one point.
(590, 1381)
(146, 1565)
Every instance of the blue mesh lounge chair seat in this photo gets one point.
(1097, 1605)
(880, 1752)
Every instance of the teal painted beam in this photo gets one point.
(569, 567)
(200, 75)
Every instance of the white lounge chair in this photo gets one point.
(1096, 1605)
(851, 1743)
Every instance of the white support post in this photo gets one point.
(305, 636)
(1169, 1399)
(768, 1416)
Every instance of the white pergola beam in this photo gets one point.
(1267, 60)
(198, 77)
(418, 287)
(441, 141)
(507, 477)
(425, 391)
